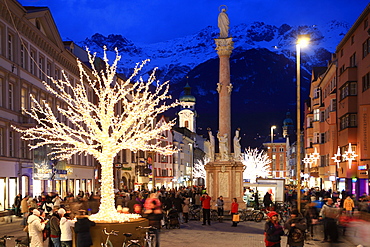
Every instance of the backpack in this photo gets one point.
(296, 235)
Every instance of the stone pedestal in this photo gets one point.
(225, 178)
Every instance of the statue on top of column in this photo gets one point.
(223, 146)
(223, 22)
(237, 146)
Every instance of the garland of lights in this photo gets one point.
(199, 170)
(94, 127)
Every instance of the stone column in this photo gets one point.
(224, 47)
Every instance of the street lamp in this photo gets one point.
(302, 41)
(272, 133)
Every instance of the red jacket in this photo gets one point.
(206, 202)
(234, 207)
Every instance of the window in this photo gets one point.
(366, 82)
(11, 96)
(333, 104)
(281, 167)
(350, 88)
(48, 71)
(274, 165)
(316, 93)
(281, 150)
(57, 74)
(322, 116)
(322, 138)
(316, 137)
(352, 39)
(274, 149)
(348, 120)
(10, 47)
(2, 141)
(316, 115)
(23, 57)
(366, 23)
(32, 61)
(366, 48)
(24, 97)
(164, 172)
(11, 143)
(1, 91)
(41, 68)
(352, 60)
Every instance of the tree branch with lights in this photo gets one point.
(256, 163)
(199, 170)
(95, 127)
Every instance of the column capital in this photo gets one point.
(224, 47)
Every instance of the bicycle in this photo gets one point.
(130, 243)
(3, 240)
(214, 215)
(108, 243)
(21, 242)
(194, 213)
(150, 238)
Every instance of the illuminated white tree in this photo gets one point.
(256, 164)
(94, 127)
(198, 169)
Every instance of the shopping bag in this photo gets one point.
(236, 218)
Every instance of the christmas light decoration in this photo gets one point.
(336, 157)
(95, 127)
(315, 155)
(349, 155)
(308, 160)
(256, 164)
(198, 169)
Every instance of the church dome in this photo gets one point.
(187, 97)
(288, 121)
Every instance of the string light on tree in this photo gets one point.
(198, 169)
(256, 164)
(95, 128)
(349, 155)
(336, 157)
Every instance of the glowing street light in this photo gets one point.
(272, 133)
(302, 41)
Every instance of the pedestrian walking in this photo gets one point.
(206, 206)
(267, 201)
(296, 227)
(329, 214)
(234, 212)
(185, 209)
(153, 212)
(220, 208)
(273, 230)
(348, 205)
(17, 205)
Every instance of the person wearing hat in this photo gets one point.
(35, 228)
(296, 226)
(273, 230)
(82, 229)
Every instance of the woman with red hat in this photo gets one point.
(273, 230)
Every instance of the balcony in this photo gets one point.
(350, 74)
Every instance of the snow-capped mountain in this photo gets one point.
(263, 69)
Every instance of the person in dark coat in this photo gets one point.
(296, 226)
(82, 229)
(273, 230)
(267, 202)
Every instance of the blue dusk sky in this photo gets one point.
(145, 21)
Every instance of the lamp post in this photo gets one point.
(272, 133)
(302, 41)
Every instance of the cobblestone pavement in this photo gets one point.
(191, 234)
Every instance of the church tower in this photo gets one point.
(288, 126)
(187, 113)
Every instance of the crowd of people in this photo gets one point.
(50, 216)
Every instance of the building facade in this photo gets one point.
(338, 116)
